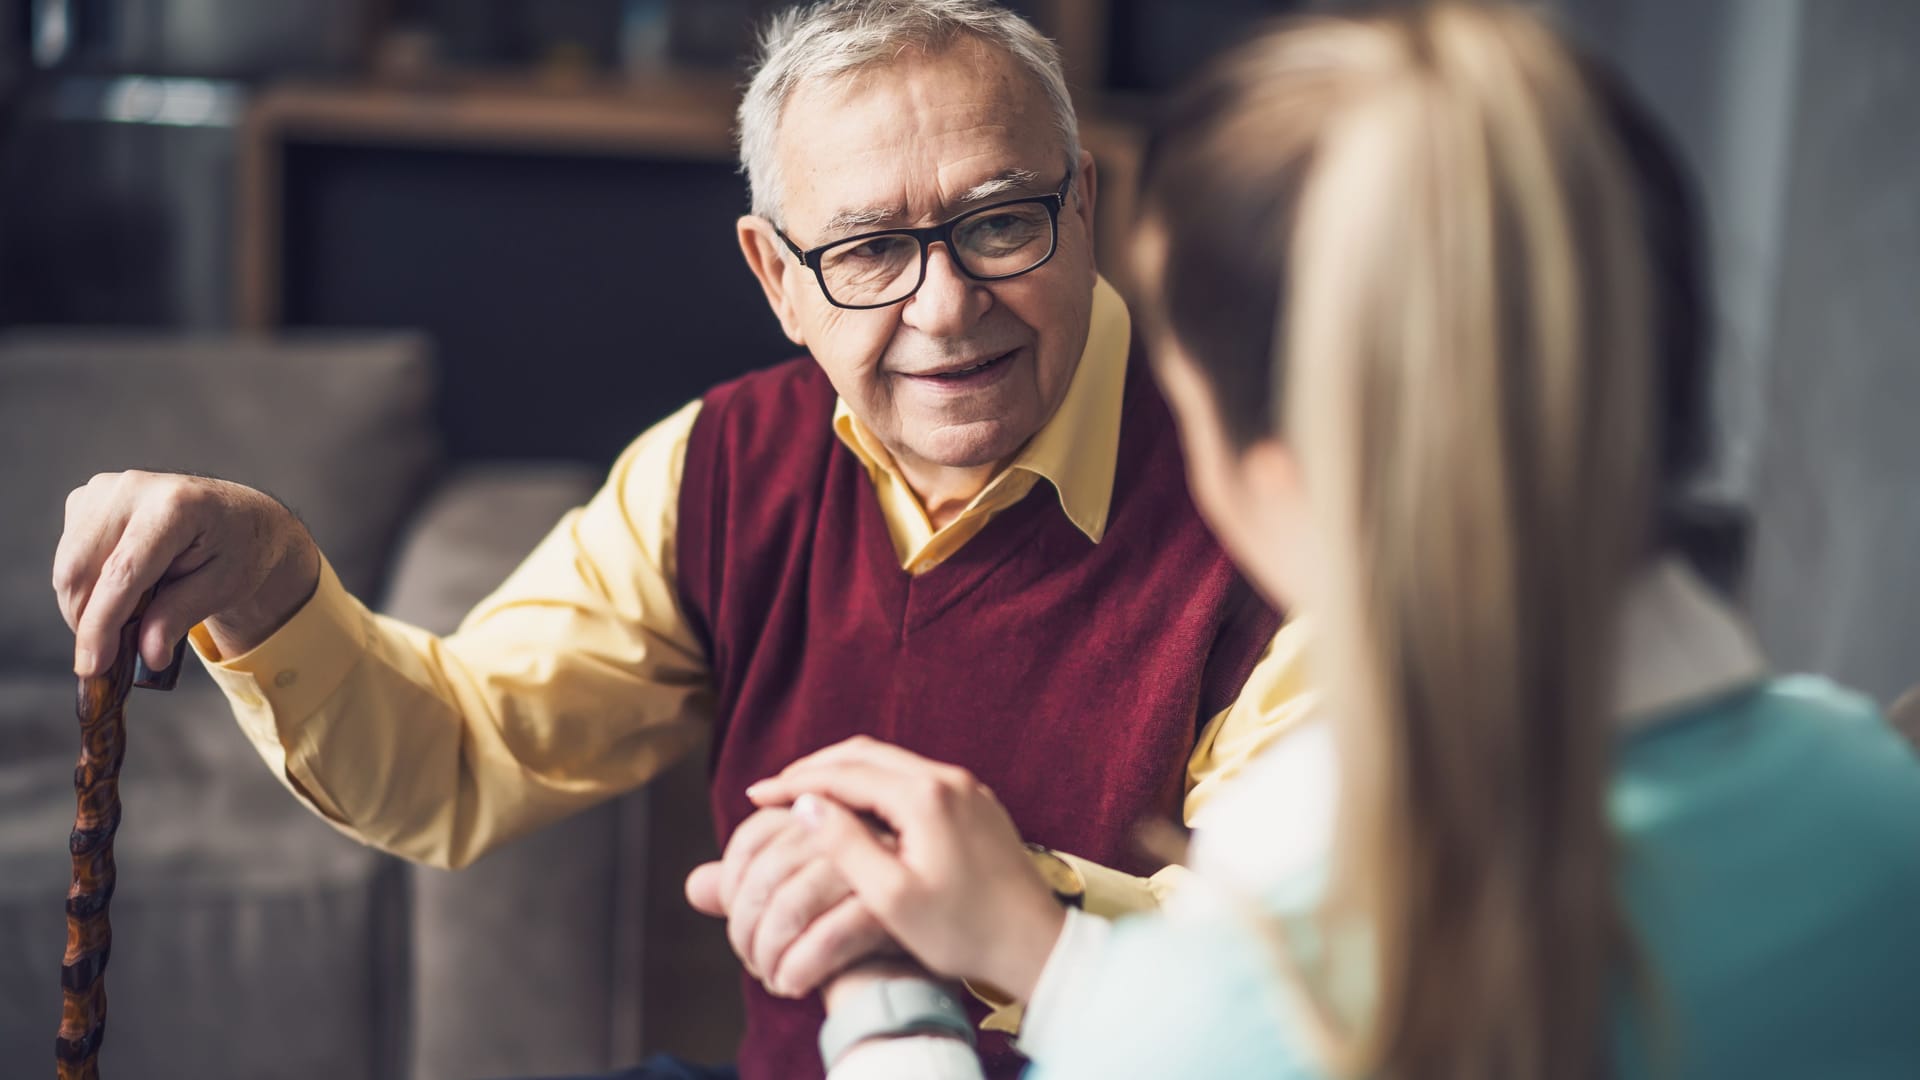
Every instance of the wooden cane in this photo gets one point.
(96, 786)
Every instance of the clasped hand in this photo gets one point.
(862, 850)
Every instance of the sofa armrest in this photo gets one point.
(570, 950)
(476, 527)
(511, 961)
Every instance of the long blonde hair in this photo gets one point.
(1465, 365)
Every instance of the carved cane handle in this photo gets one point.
(96, 786)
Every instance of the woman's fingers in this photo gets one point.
(916, 800)
(866, 750)
(874, 872)
(843, 780)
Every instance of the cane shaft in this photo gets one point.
(96, 785)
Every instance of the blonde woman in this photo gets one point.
(1423, 301)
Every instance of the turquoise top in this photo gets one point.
(1771, 869)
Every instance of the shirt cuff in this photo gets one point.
(1108, 892)
(923, 1057)
(278, 687)
(1071, 966)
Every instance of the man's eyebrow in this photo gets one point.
(1001, 184)
(860, 218)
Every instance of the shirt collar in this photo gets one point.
(1680, 646)
(1079, 447)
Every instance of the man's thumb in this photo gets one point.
(703, 890)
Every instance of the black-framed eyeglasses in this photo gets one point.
(993, 243)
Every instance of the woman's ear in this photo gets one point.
(1275, 515)
(767, 257)
(1272, 472)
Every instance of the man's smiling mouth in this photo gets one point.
(972, 372)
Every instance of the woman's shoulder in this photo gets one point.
(1789, 755)
(1802, 728)
(1807, 699)
(1770, 861)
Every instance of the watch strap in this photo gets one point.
(891, 1008)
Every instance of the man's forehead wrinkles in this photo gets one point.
(882, 152)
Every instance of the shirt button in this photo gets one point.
(286, 678)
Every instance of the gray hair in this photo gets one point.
(834, 37)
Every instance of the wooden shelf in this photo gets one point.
(682, 115)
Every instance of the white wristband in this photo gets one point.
(892, 1007)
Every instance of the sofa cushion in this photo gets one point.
(339, 427)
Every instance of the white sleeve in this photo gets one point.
(911, 1057)
(1075, 960)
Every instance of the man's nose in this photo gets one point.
(949, 302)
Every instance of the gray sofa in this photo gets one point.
(250, 939)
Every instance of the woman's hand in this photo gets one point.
(957, 888)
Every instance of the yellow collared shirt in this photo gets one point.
(441, 748)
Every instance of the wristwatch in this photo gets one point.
(1060, 876)
(890, 1008)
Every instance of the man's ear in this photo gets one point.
(1087, 184)
(769, 260)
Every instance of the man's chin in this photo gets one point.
(976, 445)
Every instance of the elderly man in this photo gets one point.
(960, 526)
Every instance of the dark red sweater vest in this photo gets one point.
(1071, 677)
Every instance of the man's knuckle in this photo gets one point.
(175, 498)
(118, 570)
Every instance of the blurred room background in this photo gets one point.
(487, 242)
